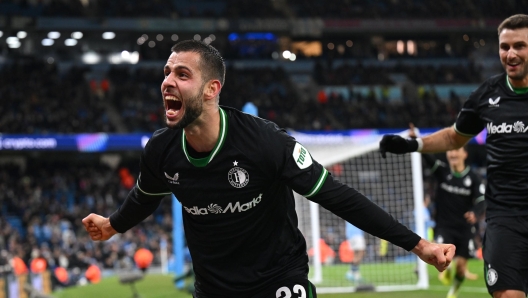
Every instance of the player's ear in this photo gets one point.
(212, 89)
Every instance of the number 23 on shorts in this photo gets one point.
(298, 291)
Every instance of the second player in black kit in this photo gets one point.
(499, 105)
(457, 193)
(234, 174)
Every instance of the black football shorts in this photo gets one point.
(505, 252)
(461, 238)
(292, 287)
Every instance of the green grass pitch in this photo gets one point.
(161, 286)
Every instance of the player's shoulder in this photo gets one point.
(252, 125)
(494, 85)
(162, 137)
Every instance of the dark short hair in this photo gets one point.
(517, 21)
(211, 62)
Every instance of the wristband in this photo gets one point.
(420, 144)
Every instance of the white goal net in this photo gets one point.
(395, 184)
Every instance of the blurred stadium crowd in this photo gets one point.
(43, 204)
(38, 98)
(241, 8)
(43, 201)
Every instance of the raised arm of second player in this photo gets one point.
(440, 141)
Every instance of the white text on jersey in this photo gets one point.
(230, 208)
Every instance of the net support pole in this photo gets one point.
(316, 235)
(418, 190)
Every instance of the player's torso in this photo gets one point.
(505, 116)
(454, 196)
(239, 216)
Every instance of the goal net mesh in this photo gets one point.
(387, 182)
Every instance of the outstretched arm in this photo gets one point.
(443, 140)
(440, 141)
(98, 227)
(136, 208)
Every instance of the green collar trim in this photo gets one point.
(522, 90)
(461, 174)
(202, 162)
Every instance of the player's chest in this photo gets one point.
(460, 186)
(224, 179)
(501, 109)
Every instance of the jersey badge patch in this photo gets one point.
(301, 156)
(237, 176)
(467, 182)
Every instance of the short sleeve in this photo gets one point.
(468, 122)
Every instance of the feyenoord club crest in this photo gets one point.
(237, 176)
(492, 277)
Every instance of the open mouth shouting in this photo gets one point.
(173, 107)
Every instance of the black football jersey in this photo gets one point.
(496, 107)
(238, 205)
(456, 194)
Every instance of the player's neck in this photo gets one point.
(458, 168)
(517, 85)
(203, 135)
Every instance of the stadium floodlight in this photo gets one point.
(197, 37)
(77, 35)
(400, 47)
(134, 57)
(91, 58)
(54, 35)
(12, 40)
(109, 35)
(141, 40)
(151, 44)
(275, 55)
(293, 57)
(14, 44)
(286, 54)
(70, 42)
(411, 47)
(47, 42)
(208, 40)
(22, 34)
(125, 55)
(1, 33)
(159, 37)
(174, 37)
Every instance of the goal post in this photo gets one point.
(394, 183)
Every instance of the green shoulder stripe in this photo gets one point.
(317, 185)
